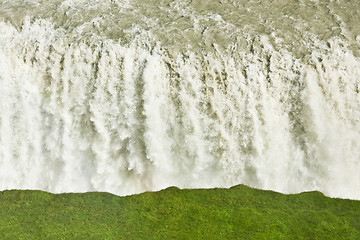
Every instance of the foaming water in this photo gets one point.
(126, 97)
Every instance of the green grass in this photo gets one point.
(236, 213)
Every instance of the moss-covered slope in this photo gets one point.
(236, 213)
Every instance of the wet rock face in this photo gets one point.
(130, 96)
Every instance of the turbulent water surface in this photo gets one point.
(127, 96)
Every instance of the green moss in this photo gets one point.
(236, 213)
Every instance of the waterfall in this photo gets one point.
(127, 97)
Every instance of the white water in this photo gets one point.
(92, 113)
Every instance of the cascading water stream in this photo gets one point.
(126, 97)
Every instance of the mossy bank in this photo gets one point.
(236, 213)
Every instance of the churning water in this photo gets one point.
(127, 96)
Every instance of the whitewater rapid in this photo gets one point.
(127, 97)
